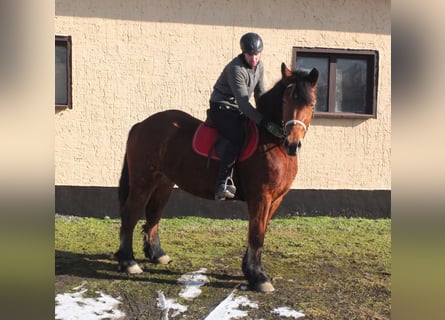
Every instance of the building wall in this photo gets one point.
(131, 59)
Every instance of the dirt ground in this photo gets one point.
(347, 277)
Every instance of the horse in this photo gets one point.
(159, 155)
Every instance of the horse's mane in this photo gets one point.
(269, 104)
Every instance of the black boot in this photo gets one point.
(225, 188)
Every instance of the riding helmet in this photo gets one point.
(251, 43)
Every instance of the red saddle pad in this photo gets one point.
(205, 137)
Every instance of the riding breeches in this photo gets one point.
(229, 123)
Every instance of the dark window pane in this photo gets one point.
(322, 65)
(351, 86)
(61, 75)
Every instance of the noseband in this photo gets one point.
(294, 122)
(292, 148)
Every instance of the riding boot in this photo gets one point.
(225, 187)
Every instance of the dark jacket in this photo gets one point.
(236, 84)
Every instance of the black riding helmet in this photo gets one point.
(251, 43)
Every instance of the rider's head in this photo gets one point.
(251, 45)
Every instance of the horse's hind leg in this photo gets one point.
(130, 213)
(153, 213)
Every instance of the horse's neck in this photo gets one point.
(269, 104)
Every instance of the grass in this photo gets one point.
(330, 268)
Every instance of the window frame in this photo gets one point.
(371, 57)
(66, 41)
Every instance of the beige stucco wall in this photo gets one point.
(133, 58)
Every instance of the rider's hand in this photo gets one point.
(274, 129)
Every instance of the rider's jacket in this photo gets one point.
(236, 84)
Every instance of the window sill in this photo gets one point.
(62, 107)
(344, 115)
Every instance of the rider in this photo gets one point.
(229, 105)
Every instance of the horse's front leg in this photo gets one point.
(253, 271)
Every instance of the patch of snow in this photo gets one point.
(169, 304)
(228, 308)
(192, 281)
(288, 313)
(73, 306)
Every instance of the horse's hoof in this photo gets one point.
(134, 269)
(165, 259)
(264, 287)
(130, 267)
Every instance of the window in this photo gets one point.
(63, 72)
(347, 83)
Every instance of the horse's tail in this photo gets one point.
(124, 186)
(124, 181)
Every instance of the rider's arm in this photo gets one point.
(237, 83)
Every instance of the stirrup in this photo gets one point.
(225, 190)
(229, 185)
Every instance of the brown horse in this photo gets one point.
(159, 155)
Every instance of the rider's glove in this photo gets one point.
(273, 129)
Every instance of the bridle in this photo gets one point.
(294, 121)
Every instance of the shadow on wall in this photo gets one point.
(345, 16)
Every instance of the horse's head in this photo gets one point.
(298, 106)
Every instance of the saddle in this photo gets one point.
(205, 139)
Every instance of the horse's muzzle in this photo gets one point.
(292, 148)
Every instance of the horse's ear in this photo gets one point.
(313, 77)
(285, 72)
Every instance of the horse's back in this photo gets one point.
(161, 134)
(160, 147)
(173, 117)
(165, 123)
